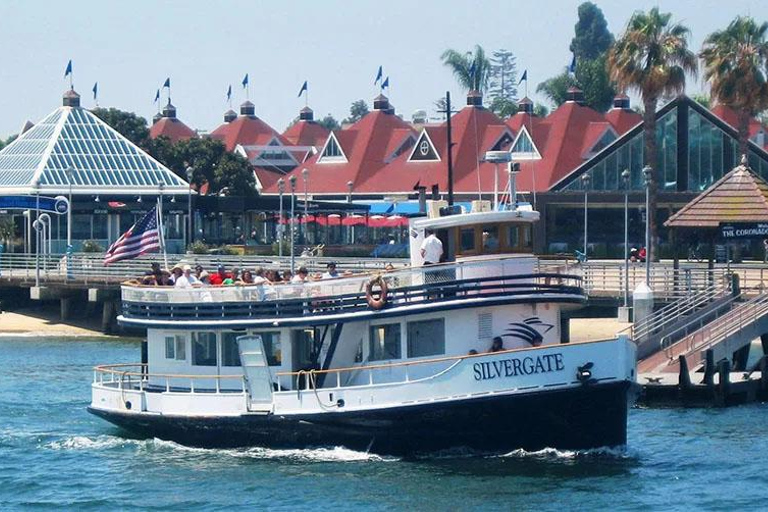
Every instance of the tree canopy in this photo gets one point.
(357, 111)
(736, 67)
(592, 37)
(128, 124)
(329, 122)
(471, 69)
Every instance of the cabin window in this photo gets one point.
(466, 239)
(176, 347)
(384, 342)
(230, 355)
(519, 236)
(204, 349)
(490, 238)
(426, 338)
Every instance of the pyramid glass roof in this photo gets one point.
(101, 159)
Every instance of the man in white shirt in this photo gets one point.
(186, 280)
(330, 272)
(431, 249)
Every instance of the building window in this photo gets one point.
(332, 149)
(204, 349)
(426, 338)
(176, 347)
(384, 342)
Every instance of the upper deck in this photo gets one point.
(469, 283)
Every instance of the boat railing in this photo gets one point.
(135, 376)
(345, 285)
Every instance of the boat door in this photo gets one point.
(303, 353)
(256, 370)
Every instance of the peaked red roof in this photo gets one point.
(171, 128)
(246, 130)
(623, 119)
(367, 145)
(306, 133)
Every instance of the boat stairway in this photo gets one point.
(724, 335)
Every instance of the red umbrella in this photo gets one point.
(354, 220)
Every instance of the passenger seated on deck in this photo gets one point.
(218, 278)
(497, 345)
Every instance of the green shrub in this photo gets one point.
(91, 246)
(198, 247)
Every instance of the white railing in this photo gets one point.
(134, 376)
(88, 268)
(503, 267)
(718, 330)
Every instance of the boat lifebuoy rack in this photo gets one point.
(376, 302)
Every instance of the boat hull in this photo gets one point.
(583, 417)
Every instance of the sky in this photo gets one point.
(130, 48)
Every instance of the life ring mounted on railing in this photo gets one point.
(376, 302)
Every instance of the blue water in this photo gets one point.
(54, 454)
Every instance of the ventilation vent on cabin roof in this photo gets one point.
(485, 326)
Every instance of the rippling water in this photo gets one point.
(54, 454)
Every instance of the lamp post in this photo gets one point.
(292, 181)
(36, 225)
(648, 178)
(280, 190)
(585, 179)
(190, 224)
(305, 176)
(513, 169)
(349, 191)
(625, 180)
(69, 208)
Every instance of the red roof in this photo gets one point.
(367, 145)
(171, 128)
(306, 133)
(728, 115)
(623, 119)
(246, 130)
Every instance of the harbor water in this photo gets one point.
(54, 454)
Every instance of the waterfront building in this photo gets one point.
(166, 124)
(112, 181)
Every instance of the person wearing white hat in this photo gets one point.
(187, 279)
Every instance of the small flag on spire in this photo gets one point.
(379, 74)
(157, 96)
(167, 83)
(95, 90)
(68, 71)
(303, 89)
(245, 81)
(572, 67)
(229, 92)
(385, 84)
(523, 78)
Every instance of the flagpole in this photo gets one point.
(160, 229)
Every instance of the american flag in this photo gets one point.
(143, 237)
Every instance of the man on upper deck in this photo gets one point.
(431, 249)
(218, 278)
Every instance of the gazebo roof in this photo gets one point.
(100, 160)
(739, 196)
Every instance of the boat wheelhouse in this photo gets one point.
(396, 362)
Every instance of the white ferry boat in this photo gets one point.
(395, 363)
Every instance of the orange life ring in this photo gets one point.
(376, 302)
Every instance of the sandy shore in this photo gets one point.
(45, 322)
(591, 329)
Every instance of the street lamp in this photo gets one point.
(625, 180)
(36, 186)
(292, 181)
(69, 209)
(585, 179)
(349, 191)
(648, 178)
(305, 175)
(190, 224)
(280, 190)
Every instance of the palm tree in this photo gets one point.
(735, 65)
(652, 57)
(462, 65)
